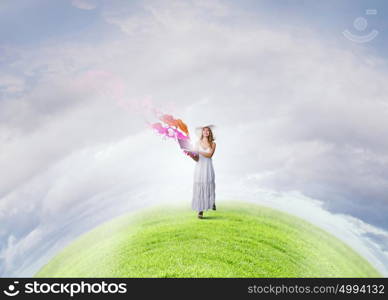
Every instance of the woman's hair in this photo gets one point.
(210, 138)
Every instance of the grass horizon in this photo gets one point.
(240, 239)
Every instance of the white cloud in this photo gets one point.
(84, 4)
(10, 85)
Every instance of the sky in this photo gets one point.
(297, 91)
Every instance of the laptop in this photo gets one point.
(186, 145)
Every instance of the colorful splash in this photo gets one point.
(176, 129)
(111, 86)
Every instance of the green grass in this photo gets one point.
(237, 240)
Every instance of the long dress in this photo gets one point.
(204, 182)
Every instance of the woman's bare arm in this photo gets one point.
(209, 154)
(193, 155)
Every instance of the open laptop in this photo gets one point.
(186, 145)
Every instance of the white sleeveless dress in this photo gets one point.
(204, 182)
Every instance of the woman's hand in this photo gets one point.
(194, 156)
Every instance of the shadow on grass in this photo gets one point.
(212, 217)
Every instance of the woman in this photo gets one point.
(204, 177)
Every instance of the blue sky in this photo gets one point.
(60, 19)
(46, 20)
(307, 106)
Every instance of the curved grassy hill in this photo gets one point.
(237, 240)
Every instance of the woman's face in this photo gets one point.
(206, 132)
